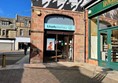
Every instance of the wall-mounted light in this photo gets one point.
(114, 24)
(89, 11)
(38, 12)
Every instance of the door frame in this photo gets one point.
(107, 60)
(108, 63)
(57, 33)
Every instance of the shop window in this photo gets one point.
(20, 45)
(21, 32)
(114, 43)
(7, 33)
(59, 19)
(93, 38)
(29, 32)
(5, 23)
(26, 22)
(3, 32)
(59, 22)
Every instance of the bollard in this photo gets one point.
(3, 60)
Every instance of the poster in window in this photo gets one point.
(50, 44)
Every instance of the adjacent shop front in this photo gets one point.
(103, 34)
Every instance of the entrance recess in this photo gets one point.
(58, 39)
(108, 48)
(62, 46)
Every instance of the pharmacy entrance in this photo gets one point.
(58, 38)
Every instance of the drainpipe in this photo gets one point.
(84, 35)
(86, 26)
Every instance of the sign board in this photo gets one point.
(59, 27)
(50, 44)
(100, 7)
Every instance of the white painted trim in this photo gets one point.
(7, 41)
(85, 2)
(93, 4)
(22, 39)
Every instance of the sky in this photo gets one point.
(9, 8)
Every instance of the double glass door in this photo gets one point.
(58, 47)
(108, 48)
(64, 47)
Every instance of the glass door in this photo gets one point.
(104, 48)
(108, 48)
(58, 47)
(114, 50)
(65, 48)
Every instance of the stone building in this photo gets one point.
(58, 24)
(7, 33)
(13, 32)
(22, 31)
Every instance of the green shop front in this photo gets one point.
(103, 33)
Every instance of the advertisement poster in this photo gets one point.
(50, 44)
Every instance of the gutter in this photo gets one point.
(85, 36)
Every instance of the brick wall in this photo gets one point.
(37, 32)
(95, 62)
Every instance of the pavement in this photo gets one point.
(60, 72)
(11, 57)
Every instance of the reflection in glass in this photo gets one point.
(104, 46)
(108, 19)
(114, 42)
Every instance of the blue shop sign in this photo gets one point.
(59, 27)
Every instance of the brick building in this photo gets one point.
(58, 25)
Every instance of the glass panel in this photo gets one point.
(21, 32)
(104, 46)
(3, 33)
(59, 19)
(65, 47)
(70, 50)
(114, 42)
(93, 35)
(50, 52)
(109, 19)
(61, 47)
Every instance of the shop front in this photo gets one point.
(57, 35)
(58, 38)
(103, 34)
(108, 47)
